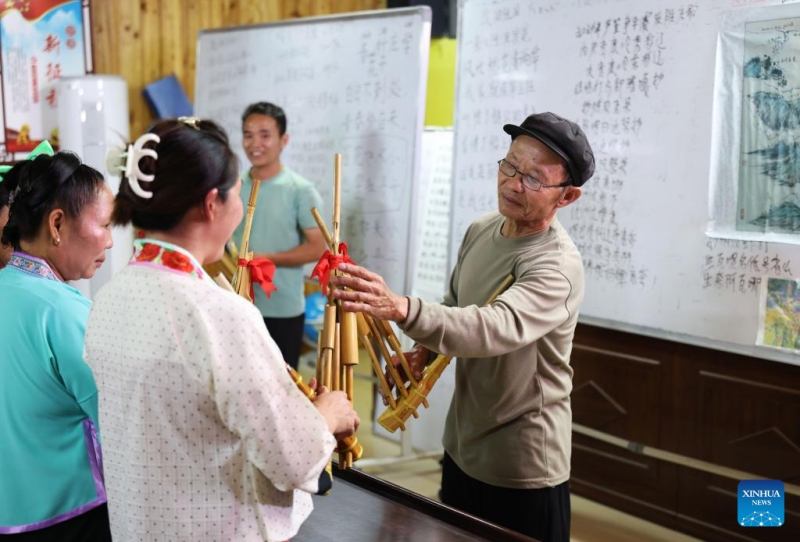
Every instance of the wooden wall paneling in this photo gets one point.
(125, 48)
(301, 8)
(707, 508)
(174, 39)
(726, 409)
(631, 503)
(750, 425)
(151, 44)
(747, 416)
(624, 480)
(100, 33)
(144, 40)
(142, 52)
(622, 394)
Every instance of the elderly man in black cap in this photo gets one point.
(508, 433)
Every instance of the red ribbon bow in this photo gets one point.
(261, 271)
(330, 262)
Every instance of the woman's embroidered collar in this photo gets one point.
(158, 253)
(31, 265)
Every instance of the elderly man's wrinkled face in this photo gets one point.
(84, 240)
(528, 208)
(5, 251)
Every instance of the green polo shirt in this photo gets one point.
(282, 213)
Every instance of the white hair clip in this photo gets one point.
(193, 122)
(126, 161)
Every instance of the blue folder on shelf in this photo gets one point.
(167, 99)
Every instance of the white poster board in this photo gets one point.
(639, 78)
(352, 84)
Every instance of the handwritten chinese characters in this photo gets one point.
(498, 72)
(622, 66)
(42, 42)
(348, 85)
(740, 267)
(431, 270)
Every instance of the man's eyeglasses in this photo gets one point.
(510, 170)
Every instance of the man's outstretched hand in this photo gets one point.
(364, 291)
(417, 360)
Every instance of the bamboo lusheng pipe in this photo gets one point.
(337, 198)
(241, 282)
(307, 390)
(320, 376)
(345, 328)
(322, 228)
(394, 418)
(251, 209)
(327, 352)
(222, 281)
(345, 452)
(337, 383)
(385, 351)
(351, 449)
(348, 329)
(349, 443)
(391, 338)
(362, 325)
(364, 334)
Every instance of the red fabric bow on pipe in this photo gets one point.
(330, 262)
(261, 271)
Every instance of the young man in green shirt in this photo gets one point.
(283, 228)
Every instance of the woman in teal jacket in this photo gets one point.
(5, 194)
(51, 479)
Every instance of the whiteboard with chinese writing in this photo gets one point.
(430, 278)
(431, 275)
(639, 77)
(352, 84)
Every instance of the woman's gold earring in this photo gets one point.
(56, 241)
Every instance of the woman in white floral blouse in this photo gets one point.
(205, 436)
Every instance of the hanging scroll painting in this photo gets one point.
(769, 178)
(755, 165)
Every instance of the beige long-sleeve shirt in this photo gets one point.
(509, 422)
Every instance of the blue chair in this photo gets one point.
(167, 99)
(315, 309)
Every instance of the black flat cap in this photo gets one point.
(563, 137)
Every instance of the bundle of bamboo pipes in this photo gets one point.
(338, 346)
(241, 280)
(338, 349)
(366, 328)
(415, 393)
(410, 395)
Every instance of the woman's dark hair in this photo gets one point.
(194, 157)
(45, 183)
(5, 193)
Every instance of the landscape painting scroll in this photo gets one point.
(755, 169)
(769, 179)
